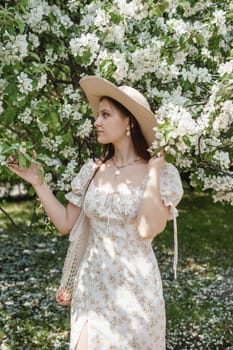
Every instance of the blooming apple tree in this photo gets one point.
(178, 53)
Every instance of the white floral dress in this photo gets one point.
(118, 288)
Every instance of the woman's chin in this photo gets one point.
(102, 140)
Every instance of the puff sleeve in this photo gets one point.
(171, 189)
(171, 192)
(79, 183)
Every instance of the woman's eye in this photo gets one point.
(105, 115)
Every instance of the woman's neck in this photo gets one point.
(123, 155)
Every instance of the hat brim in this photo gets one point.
(96, 87)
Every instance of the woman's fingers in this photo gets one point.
(11, 161)
(60, 300)
(158, 161)
(161, 153)
(31, 174)
(34, 154)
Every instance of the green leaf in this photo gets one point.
(23, 4)
(186, 140)
(35, 56)
(186, 85)
(67, 139)
(31, 191)
(169, 158)
(28, 157)
(11, 88)
(116, 18)
(11, 27)
(199, 38)
(160, 9)
(60, 196)
(107, 68)
(9, 115)
(53, 120)
(21, 25)
(41, 173)
(167, 135)
(85, 58)
(22, 161)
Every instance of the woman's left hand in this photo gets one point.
(157, 162)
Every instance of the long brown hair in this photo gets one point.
(139, 142)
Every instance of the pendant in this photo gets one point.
(117, 172)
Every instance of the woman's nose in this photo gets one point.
(97, 121)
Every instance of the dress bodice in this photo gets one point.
(117, 206)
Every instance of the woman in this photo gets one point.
(117, 301)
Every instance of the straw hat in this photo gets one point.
(96, 87)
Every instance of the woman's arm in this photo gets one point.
(62, 217)
(153, 214)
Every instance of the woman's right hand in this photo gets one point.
(32, 174)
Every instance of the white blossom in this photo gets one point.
(43, 127)
(160, 22)
(64, 183)
(64, 19)
(50, 56)
(26, 117)
(74, 95)
(1, 107)
(222, 158)
(16, 48)
(144, 60)
(52, 144)
(101, 19)
(183, 162)
(178, 117)
(115, 33)
(85, 129)
(24, 83)
(180, 57)
(221, 196)
(83, 43)
(222, 185)
(56, 29)
(34, 40)
(179, 26)
(66, 110)
(34, 18)
(3, 85)
(121, 66)
(172, 7)
(226, 68)
(195, 8)
(69, 152)
(135, 8)
(73, 5)
(42, 81)
(224, 119)
(220, 21)
(195, 73)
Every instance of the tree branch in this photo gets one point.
(8, 217)
(210, 165)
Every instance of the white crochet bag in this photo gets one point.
(78, 238)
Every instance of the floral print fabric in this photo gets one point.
(118, 288)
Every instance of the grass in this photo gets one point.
(198, 303)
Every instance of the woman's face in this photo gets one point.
(110, 123)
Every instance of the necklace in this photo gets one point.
(118, 167)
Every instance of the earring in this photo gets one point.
(128, 133)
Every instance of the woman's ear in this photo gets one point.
(130, 123)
